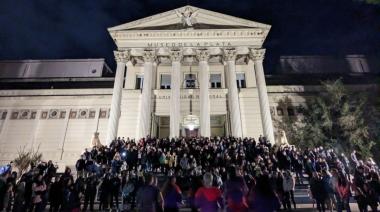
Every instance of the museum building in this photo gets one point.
(185, 72)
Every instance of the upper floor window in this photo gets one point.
(291, 111)
(139, 81)
(240, 80)
(190, 80)
(280, 111)
(216, 80)
(165, 81)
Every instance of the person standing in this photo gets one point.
(330, 193)
(3, 188)
(39, 188)
(343, 190)
(115, 190)
(90, 192)
(288, 186)
(172, 195)
(207, 197)
(262, 197)
(80, 166)
(72, 200)
(149, 198)
(318, 191)
(19, 201)
(235, 191)
(56, 194)
(104, 192)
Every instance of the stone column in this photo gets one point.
(257, 55)
(175, 92)
(204, 101)
(146, 96)
(121, 57)
(233, 95)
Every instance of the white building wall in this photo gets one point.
(250, 112)
(52, 134)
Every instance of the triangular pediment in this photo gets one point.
(189, 17)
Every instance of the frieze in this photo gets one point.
(211, 96)
(189, 44)
(252, 33)
(83, 113)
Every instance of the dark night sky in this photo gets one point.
(48, 29)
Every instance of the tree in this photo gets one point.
(25, 158)
(336, 118)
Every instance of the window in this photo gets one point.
(165, 81)
(33, 115)
(216, 80)
(240, 80)
(14, 115)
(190, 80)
(62, 114)
(290, 111)
(4, 115)
(139, 81)
(280, 111)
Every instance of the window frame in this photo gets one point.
(141, 84)
(241, 83)
(165, 86)
(216, 84)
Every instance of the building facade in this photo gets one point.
(185, 72)
(190, 72)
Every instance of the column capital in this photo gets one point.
(256, 54)
(175, 55)
(122, 56)
(149, 55)
(229, 54)
(202, 55)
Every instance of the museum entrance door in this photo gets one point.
(191, 133)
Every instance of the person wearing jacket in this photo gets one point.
(115, 183)
(344, 193)
(149, 197)
(235, 191)
(80, 166)
(56, 194)
(318, 191)
(90, 192)
(172, 195)
(208, 198)
(288, 186)
(39, 188)
(262, 197)
(19, 200)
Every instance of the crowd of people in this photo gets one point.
(206, 174)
